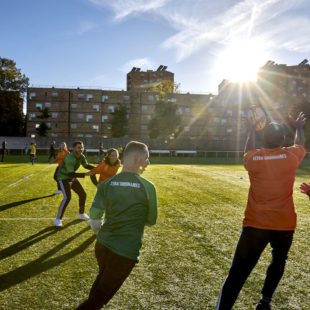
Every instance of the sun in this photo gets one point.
(240, 61)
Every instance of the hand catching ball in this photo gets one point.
(257, 117)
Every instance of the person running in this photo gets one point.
(32, 153)
(67, 179)
(270, 214)
(63, 152)
(52, 151)
(4, 150)
(107, 168)
(129, 203)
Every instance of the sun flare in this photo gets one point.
(240, 61)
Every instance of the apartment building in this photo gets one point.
(146, 80)
(283, 87)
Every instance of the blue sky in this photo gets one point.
(96, 42)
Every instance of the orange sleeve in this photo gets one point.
(99, 168)
(298, 150)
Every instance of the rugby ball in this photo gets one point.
(257, 117)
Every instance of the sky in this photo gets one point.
(94, 43)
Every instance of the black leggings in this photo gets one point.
(66, 186)
(251, 244)
(58, 186)
(113, 271)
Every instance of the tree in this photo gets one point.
(119, 122)
(13, 86)
(43, 127)
(11, 78)
(165, 122)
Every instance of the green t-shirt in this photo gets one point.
(70, 164)
(129, 203)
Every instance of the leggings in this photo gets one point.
(66, 186)
(250, 246)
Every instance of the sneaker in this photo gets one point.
(58, 192)
(57, 223)
(82, 216)
(263, 305)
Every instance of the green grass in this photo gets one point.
(184, 259)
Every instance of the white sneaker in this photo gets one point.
(58, 192)
(57, 223)
(82, 216)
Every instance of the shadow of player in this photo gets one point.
(42, 263)
(17, 203)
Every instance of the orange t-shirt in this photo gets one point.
(272, 175)
(106, 171)
(61, 155)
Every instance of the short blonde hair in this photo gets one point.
(134, 147)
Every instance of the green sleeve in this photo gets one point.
(152, 199)
(97, 208)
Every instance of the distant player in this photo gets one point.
(107, 168)
(63, 152)
(4, 150)
(32, 152)
(67, 179)
(270, 216)
(129, 203)
(101, 152)
(52, 151)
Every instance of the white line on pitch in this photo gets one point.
(24, 178)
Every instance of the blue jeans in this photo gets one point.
(250, 246)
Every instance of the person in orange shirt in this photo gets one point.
(63, 152)
(270, 214)
(108, 167)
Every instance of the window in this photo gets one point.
(80, 95)
(73, 126)
(96, 127)
(103, 118)
(229, 130)
(39, 106)
(54, 94)
(224, 120)
(173, 99)
(32, 115)
(80, 115)
(186, 128)
(104, 97)
(88, 136)
(154, 75)
(96, 107)
(126, 97)
(33, 136)
(89, 96)
(149, 117)
(80, 135)
(48, 124)
(73, 105)
(111, 108)
(179, 111)
(187, 110)
(150, 97)
(47, 104)
(54, 114)
(144, 107)
(304, 81)
(143, 127)
(229, 112)
(37, 125)
(88, 117)
(54, 135)
(31, 95)
(216, 120)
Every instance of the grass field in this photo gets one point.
(185, 257)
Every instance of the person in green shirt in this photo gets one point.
(67, 179)
(129, 202)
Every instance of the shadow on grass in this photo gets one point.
(17, 203)
(23, 244)
(41, 264)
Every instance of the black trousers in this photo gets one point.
(113, 271)
(250, 246)
(55, 173)
(66, 186)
